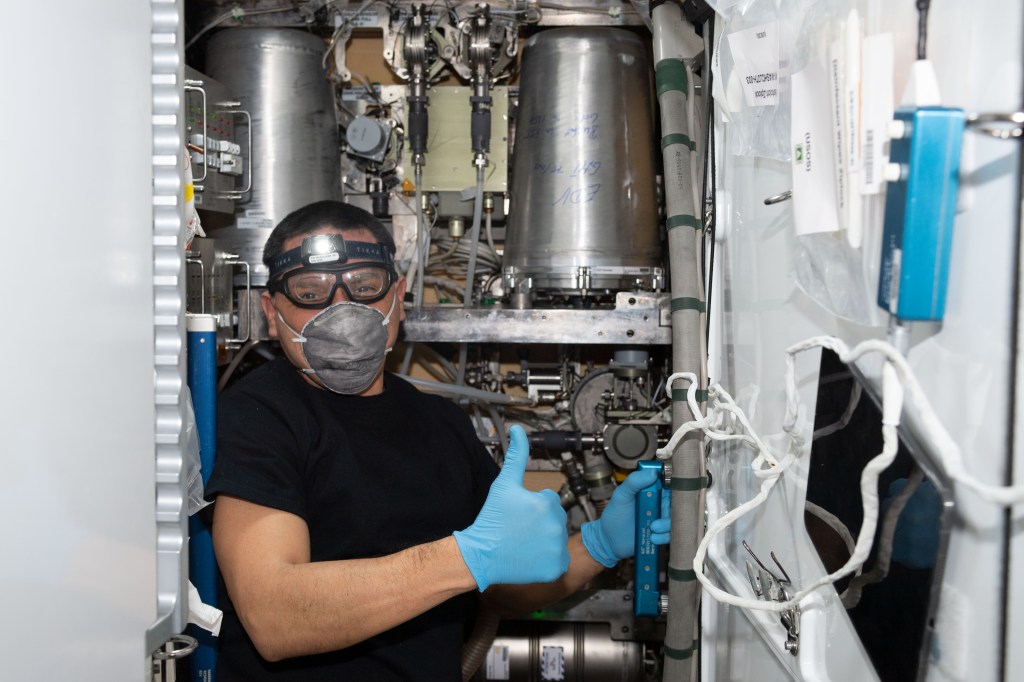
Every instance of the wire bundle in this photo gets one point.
(726, 421)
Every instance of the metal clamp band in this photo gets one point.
(181, 646)
(981, 123)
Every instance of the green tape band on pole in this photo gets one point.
(683, 575)
(680, 654)
(683, 221)
(670, 74)
(679, 395)
(688, 303)
(678, 138)
(689, 485)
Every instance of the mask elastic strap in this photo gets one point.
(299, 338)
(387, 318)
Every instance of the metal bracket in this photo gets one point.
(1003, 126)
(231, 110)
(197, 86)
(770, 587)
(234, 260)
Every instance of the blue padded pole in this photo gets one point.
(202, 382)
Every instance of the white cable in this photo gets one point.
(844, 420)
(470, 392)
(852, 594)
(340, 31)
(933, 431)
(724, 418)
(833, 522)
(235, 12)
(865, 537)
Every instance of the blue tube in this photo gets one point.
(202, 382)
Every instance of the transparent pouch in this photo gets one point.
(750, 68)
(193, 464)
(837, 271)
(838, 277)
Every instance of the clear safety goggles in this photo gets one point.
(361, 282)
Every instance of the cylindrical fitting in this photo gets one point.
(557, 440)
(456, 228)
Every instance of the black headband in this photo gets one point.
(327, 251)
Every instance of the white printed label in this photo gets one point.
(357, 93)
(876, 109)
(814, 187)
(363, 18)
(552, 663)
(254, 223)
(836, 90)
(497, 662)
(755, 52)
(619, 270)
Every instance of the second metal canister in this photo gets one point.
(584, 200)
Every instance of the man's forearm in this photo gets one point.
(516, 600)
(309, 608)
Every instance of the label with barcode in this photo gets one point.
(867, 153)
(876, 108)
(496, 666)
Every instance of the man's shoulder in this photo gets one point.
(407, 392)
(274, 371)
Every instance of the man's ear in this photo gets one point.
(270, 312)
(400, 294)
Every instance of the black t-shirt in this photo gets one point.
(370, 476)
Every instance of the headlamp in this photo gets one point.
(329, 251)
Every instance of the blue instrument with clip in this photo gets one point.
(647, 555)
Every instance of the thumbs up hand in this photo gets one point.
(519, 536)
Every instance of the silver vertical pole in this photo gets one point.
(674, 45)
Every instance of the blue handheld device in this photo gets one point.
(920, 206)
(647, 555)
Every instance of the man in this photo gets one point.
(355, 516)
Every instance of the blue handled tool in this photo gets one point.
(647, 555)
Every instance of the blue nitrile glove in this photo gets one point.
(612, 537)
(519, 536)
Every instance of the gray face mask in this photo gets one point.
(344, 345)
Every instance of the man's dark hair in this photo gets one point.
(321, 214)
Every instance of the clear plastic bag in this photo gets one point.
(759, 129)
(190, 453)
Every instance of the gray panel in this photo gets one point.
(638, 319)
(78, 489)
(168, 319)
